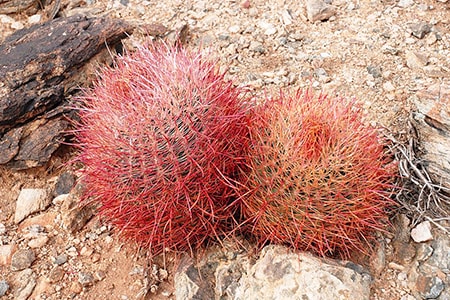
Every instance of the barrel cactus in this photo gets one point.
(162, 137)
(319, 178)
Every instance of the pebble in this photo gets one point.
(17, 25)
(430, 287)
(86, 279)
(405, 3)
(4, 286)
(60, 259)
(419, 30)
(2, 228)
(318, 10)
(27, 281)
(257, 47)
(6, 252)
(30, 201)
(56, 274)
(234, 29)
(99, 275)
(374, 71)
(86, 251)
(22, 259)
(6, 19)
(268, 28)
(34, 19)
(424, 252)
(415, 60)
(38, 242)
(388, 86)
(76, 287)
(422, 232)
(65, 183)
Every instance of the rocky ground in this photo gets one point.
(381, 52)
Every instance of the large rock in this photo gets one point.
(278, 274)
(432, 121)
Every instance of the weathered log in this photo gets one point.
(40, 67)
(432, 122)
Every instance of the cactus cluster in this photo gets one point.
(174, 155)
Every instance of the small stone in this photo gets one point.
(424, 252)
(30, 201)
(34, 19)
(6, 19)
(17, 25)
(395, 266)
(56, 274)
(26, 280)
(86, 279)
(4, 286)
(388, 86)
(86, 251)
(268, 28)
(234, 29)
(76, 287)
(374, 71)
(2, 228)
(422, 232)
(419, 30)
(318, 10)
(257, 47)
(60, 259)
(434, 71)
(286, 17)
(38, 242)
(65, 183)
(415, 60)
(429, 287)
(405, 3)
(245, 4)
(99, 275)
(22, 259)
(6, 252)
(74, 216)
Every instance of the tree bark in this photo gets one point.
(41, 67)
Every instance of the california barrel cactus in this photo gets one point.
(319, 178)
(162, 139)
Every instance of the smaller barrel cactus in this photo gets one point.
(162, 139)
(319, 178)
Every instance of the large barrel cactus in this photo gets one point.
(162, 139)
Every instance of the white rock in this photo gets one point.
(6, 252)
(38, 242)
(318, 10)
(234, 29)
(6, 19)
(405, 3)
(34, 19)
(268, 28)
(30, 201)
(278, 274)
(17, 25)
(422, 232)
(281, 274)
